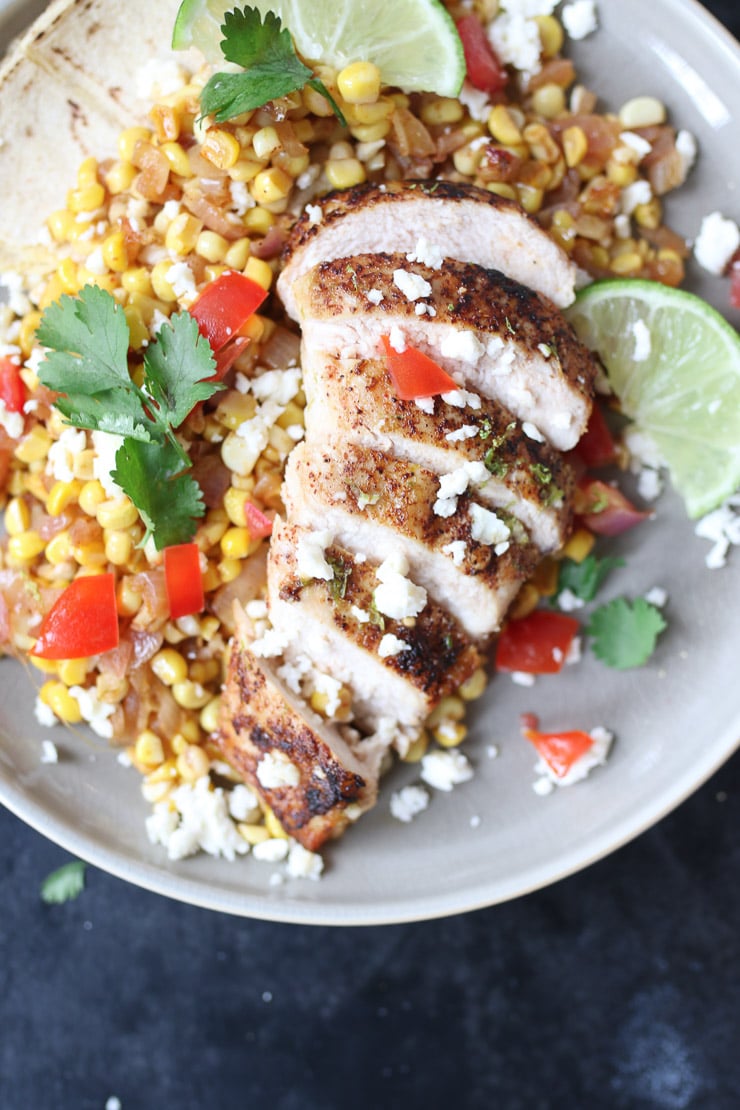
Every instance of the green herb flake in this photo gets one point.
(509, 326)
(376, 617)
(65, 884)
(585, 579)
(338, 584)
(541, 473)
(624, 634)
(272, 69)
(87, 364)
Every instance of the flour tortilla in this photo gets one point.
(67, 90)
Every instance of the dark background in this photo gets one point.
(616, 988)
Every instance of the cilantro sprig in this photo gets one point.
(584, 579)
(65, 883)
(623, 633)
(264, 49)
(87, 364)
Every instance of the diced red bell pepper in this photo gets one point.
(596, 446)
(183, 579)
(225, 305)
(560, 750)
(735, 281)
(227, 356)
(537, 643)
(82, 622)
(604, 509)
(12, 389)
(258, 525)
(485, 71)
(415, 375)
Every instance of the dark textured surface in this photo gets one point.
(617, 988)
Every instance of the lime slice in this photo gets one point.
(674, 364)
(414, 43)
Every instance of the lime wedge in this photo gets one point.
(674, 364)
(414, 43)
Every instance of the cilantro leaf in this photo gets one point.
(168, 499)
(88, 336)
(264, 49)
(65, 883)
(176, 368)
(624, 635)
(584, 579)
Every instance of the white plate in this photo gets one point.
(676, 719)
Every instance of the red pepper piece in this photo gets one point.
(82, 622)
(596, 446)
(12, 389)
(183, 579)
(415, 375)
(485, 71)
(258, 524)
(537, 643)
(560, 750)
(735, 280)
(224, 307)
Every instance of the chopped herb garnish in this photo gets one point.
(87, 363)
(509, 326)
(338, 584)
(584, 579)
(485, 428)
(541, 473)
(494, 465)
(264, 49)
(65, 883)
(376, 617)
(624, 634)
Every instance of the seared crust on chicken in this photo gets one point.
(259, 718)
(355, 400)
(397, 515)
(466, 223)
(500, 338)
(341, 631)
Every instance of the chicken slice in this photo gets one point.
(344, 631)
(496, 336)
(461, 222)
(355, 399)
(300, 765)
(383, 507)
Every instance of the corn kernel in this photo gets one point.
(160, 284)
(138, 332)
(575, 145)
(246, 169)
(253, 834)
(416, 749)
(368, 114)
(178, 159)
(119, 512)
(264, 142)
(193, 763)
(136, 280)
(67, 272)
(190, 695)
(60, 701)
(46, 666)
(87, 199)
(315, 103)
(271, 185)
(545, 578)
(442, 110)
(119, 548)
(61, 495)
(166, 122)
(474, 686)
(530, 198)
(650, 214)
(548, 101)
(59, 549)
(467, 159)
(120, 177)
(642, 111)
(149, 749)
(502, 189)
(211, 246)
(259, 221)
(621, 173)
(579, 545)
(34, 447)
(169, 666)
(91, 496)
(90, 554)
(182, 234)
(551, 35)
(359, 83)
(220, 148)
(273, 826)
(72, 672)
(228, 571)
(626, 265)
(237, 254)
(87, 174)
(259, 270)
(128, 597)
(25, 547)
(210, 715)
(128, 139)
(115, 254)
(525, 601)
(17, 517)
(503, 127)
(449, 734)
(61, 224)
(450, 708)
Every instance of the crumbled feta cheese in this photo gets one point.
(310, 560)
(467, 431)
(722, 528)
(717, 241)
(61, 455)
(49, 753)
(293, 671)
(397, 340)
(271, 644)
(486, 527)
(397, 596)
(17, 299)
(574, 652)
(413, 286)
(456, 550)
(13, 423)
(272, 850)
(428, 254)
(594, 757)
(408, 803)
(532, 431)
(391, 645)
(43, 714)
(492, 751)
(622, 226)
(243, 803)
(315, 214)
(516, 37)
(426, 404)
(256, 609)
(95, 263)
(639, 145)
(649, 483)
(199, 821)
(643, 450)
(275, 770)
(113, 1103)
(454, 484)
(477, 102)
(522, 678)
(375, 296)
(463, 346)
(462, 398)
(579, 18)
(643, 343)
(331, 688)
(687, 149)
(444, 769)
(422, 309)
(639, 192)
(361, 615)
(180, 277)
(95, 712)
(303, 864)
(656, 596)
(568, 601)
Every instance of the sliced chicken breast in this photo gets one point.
(300, 765)
(468, 559)
(354, 399)
(460, 221)
(399, 667)
(494, 335)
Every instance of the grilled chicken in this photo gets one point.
(355, 400)
(342, 631)
(498, 337)
(380, 507)
(300, 765)
(462, 221)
